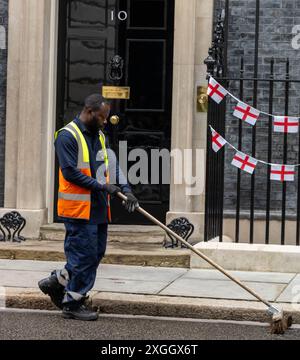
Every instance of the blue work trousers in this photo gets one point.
(85, 246)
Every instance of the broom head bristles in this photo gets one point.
(280, 323)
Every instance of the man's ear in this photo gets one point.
(88, 110)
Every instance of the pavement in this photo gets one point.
(43, 325)
(159, 291)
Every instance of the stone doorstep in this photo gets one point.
(146, 255)
(154, 305)
(117, 233)
(231, 256)
(249, 257)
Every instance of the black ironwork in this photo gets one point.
(216, 67)
(183, 228)
(215, 61)
(13, 223)
(2, 234)
(116, 65)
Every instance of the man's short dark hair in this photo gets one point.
(95, 102)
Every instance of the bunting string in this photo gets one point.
(240, 151)
(260, 111)
(215, 89)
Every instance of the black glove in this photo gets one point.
(132, 203)
(111, 189)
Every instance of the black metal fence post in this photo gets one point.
(270, 132)
(285, 137)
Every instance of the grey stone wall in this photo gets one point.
(3, 71)
(277, 19)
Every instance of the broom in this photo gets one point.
(279, 322)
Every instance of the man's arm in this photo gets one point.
(67, 152)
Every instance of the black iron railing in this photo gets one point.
(214, 204)
(11, 225)
(214, 188)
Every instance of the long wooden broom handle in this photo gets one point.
(199, 253)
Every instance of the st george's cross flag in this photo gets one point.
(286, 124)
(246, 113)
(283, 172)
(244, 162)
(216, 91)
(217, 141)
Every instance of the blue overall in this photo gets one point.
(85, 240)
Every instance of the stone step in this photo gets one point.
(127, 234)
(117, 253)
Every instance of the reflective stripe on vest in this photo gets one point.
(75, 201)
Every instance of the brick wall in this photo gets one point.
(277, 19)
(3, 70)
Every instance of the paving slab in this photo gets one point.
(105, 271)
(25, 279)
(140, 273)
(281, 278)
(29, 265)
(221, 289)
(130, 286)
(291, 293)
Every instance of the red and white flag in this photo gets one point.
(246, 113)
(244, 162)
(283, 172)
(217, 141)
(286, 124)
(216, 91)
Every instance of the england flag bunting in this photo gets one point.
(283, 172)
(286, 124)
(216, 91)
(244, 162)
(217, 141)
(248, 164)
(246, 113)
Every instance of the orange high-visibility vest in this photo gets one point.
(75, 201)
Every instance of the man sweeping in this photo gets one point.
(84, 207)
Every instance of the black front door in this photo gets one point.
(141, 32)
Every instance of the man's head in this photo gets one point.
(95, 112)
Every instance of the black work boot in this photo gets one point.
(79, 313)
(50, 286)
